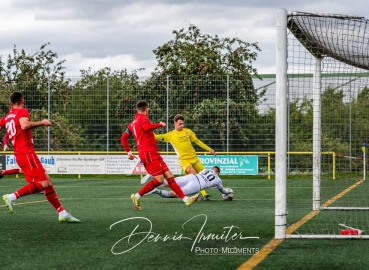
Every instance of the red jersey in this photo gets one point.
(21, 140)
(142, 130)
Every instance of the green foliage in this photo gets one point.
(197, 63)
(335, 128)
(108, 96)
(63, 136)
(197, 66)
(37, 77)
(88, 105)
(33, 75)
(360, 120)
(194, 53)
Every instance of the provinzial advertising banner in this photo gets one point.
(232, 164)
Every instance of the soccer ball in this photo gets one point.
(229, 196)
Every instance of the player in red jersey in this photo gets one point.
(142, 130)
(19, 127)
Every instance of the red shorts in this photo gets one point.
(32, 167)
(155, 166)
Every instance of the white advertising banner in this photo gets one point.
(93, 164)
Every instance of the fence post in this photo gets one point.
(48, 113)
(107, 114)
(167, 121)
(350, 125)
(364, 160)
(269, 170)
(227, 113)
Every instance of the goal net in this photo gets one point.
(322, 104)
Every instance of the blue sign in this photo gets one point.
(232, 164)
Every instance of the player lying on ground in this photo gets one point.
(193, 183)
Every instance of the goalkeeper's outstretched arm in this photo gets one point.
(222, 189)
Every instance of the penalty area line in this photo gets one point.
(268, 248)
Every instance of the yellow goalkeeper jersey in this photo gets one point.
(182, 142)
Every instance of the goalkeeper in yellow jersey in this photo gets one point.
(181, 139)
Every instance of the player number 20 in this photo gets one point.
(10, 128)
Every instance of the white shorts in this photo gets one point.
(189, 184)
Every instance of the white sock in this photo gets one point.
(63, 213)
(12, 197)
(138, 196)
(185, 198)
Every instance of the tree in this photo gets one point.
(201, 68)
(33, 75)
(37, 76)
(102, 97)
(194, 53)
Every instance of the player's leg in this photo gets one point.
(28, 189)
(53, 199)
(189, 200)
(147, 177)
(163, 193)
(183, 165)
(166, 193)
(38, 181)
(10, 172)
(187, 183)
(181, 181)
(27, 164)
(196, 167)
(153, 168)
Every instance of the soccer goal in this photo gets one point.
(322, 104)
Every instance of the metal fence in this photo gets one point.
(228, 113)
(90, 113)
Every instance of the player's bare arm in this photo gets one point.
(125, 144)
(151, 127)
(25, 123)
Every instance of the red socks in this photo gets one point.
(31, 188)
(53, 199)
(50, 194)
(149, 186)
(154, 183)
(174, 186)
(13, 171)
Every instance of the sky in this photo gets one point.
(122, 34)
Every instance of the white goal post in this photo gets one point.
(322, 63)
